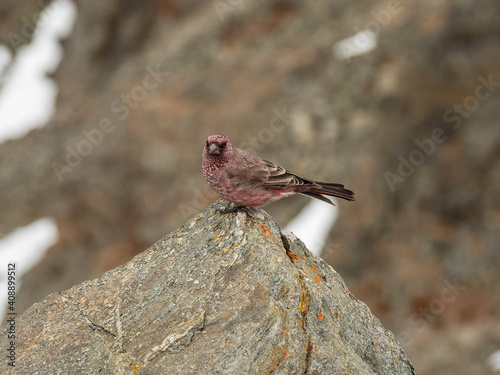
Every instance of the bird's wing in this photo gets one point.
(279, 177)
(250, 169)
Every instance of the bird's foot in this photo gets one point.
(231, 209)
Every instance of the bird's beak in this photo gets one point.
(214, 149)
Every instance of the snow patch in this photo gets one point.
(494, 361)
(358, 44)
(27, 96)
(25, 247)
(313, 224)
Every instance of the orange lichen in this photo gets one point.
(304, 308)
(265, 229)
(292, 255)
(320, 316)
(136, 367)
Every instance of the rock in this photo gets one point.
(223, 294)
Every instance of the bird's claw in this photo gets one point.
(231, 209)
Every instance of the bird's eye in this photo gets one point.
(223, 144)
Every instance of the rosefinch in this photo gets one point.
(247, 180)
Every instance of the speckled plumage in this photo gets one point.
(247, 180)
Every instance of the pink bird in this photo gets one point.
(249, 181)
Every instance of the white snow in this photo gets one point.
(494, 361)
(27, 96)
(362, 42)
(25, 247)
(313, 224)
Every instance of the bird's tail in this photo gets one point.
(319, 189)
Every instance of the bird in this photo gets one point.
(246, 180)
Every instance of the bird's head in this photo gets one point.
(217, 145)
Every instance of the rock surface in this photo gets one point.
(224, 294)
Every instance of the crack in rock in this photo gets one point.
(303, 309)
(182, 337)
(75, 307)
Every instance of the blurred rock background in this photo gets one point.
(411, 126)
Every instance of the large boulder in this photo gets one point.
(223, 294)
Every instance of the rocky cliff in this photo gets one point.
(223, 294)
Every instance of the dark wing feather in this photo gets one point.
(279, 177)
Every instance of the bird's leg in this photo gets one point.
(231, 210)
